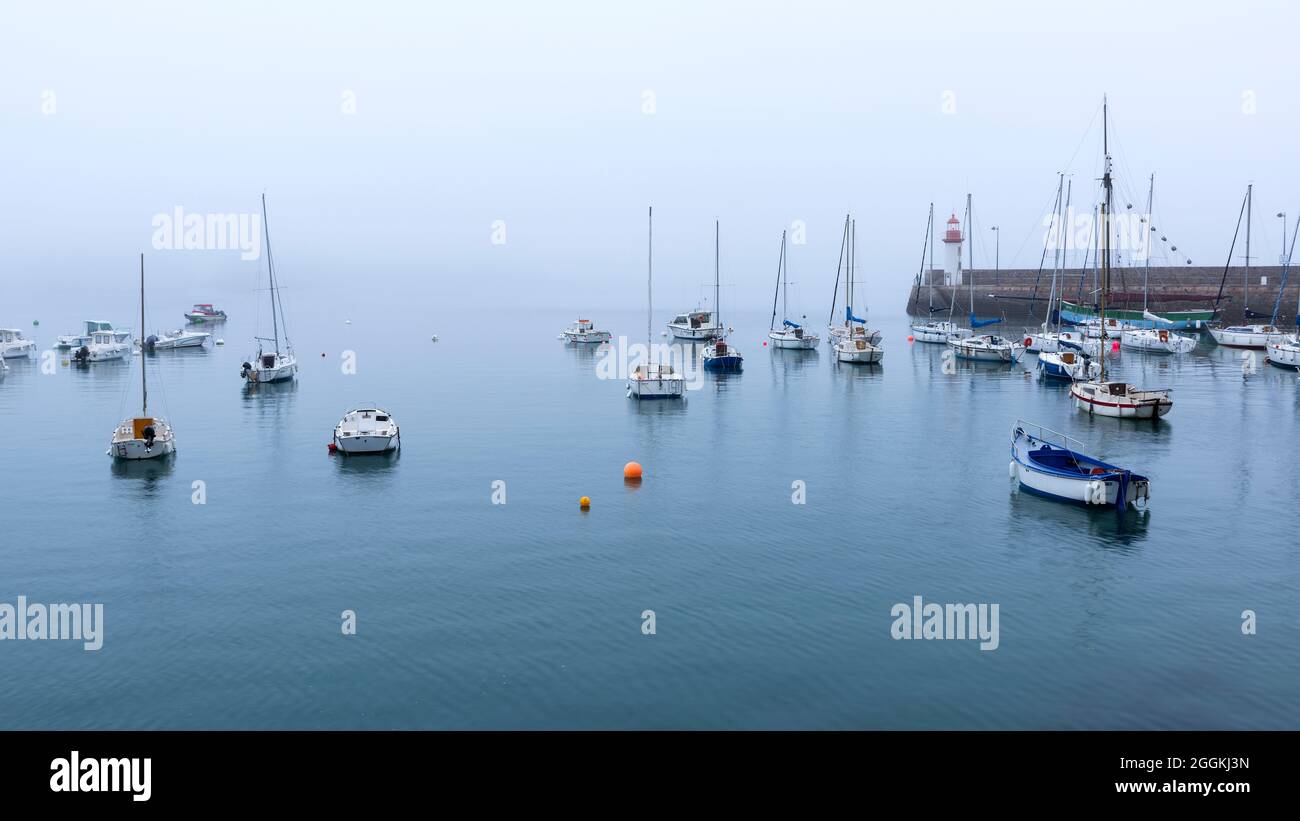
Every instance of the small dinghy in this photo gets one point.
(367, 430)
(1047, 463)
(581, 331)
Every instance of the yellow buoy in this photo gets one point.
(632, 470)
(584, 502)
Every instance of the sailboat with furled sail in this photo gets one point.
(1286, 354)
(1099, 397)
(144, 436)
(853, 343)
(934, 331)
(1246, 335)
(720, 355)
(652, 380)
(983, 347)
(277, 364)
(792, 335)
(1158, 338)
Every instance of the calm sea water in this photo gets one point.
(528, 614)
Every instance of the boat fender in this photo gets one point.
(1013, 468)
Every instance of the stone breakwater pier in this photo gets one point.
(1020, 295)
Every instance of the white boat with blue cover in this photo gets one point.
(791, 335)
(1067, 364)
(1050, 464)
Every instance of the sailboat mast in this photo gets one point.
(649, 279)
(144, 385)
(839, 269)
(780, 267)
(1146, 274)
(717, 305)
(270, 275)
(972, 261)
(930, 273)
(1245, 301)
(1105, 228)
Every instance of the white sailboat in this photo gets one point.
(1247, 335)
(791, 335)
(367, 430)
(853, 344)
(652, 380)
(937, 331)
(1154, 339)
(1286, 354)
(277, 364)
(1099, 397)
(983, 347)
(144, 436)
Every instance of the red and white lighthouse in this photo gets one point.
(952, 253)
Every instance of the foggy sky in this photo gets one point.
(470, 113)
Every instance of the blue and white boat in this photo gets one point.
(718, 355)
(1067, 363)
(1049, 464)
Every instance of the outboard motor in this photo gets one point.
(82, 354)
(245, 370)
(149, 342)
(149, 435)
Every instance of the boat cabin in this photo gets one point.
(695, 319)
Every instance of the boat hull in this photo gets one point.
(182, 342)
(593, 338)
(1151, 342)
(852, 355)
(791, 342)
(656, 388)
(1077, 314)
(1285, 354)
(267, 376)
(938, 332)
(16, 351)
(1098, 404)
(1230, 338)
(1053, 365)
(1005, 354)
(729, 363)
(362, 445)
(1110, 486)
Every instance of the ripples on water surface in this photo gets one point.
(470, 615)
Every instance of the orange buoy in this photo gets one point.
(584, 502)
(632, 471)
(911, 338)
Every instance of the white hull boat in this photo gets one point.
(204, 312)
(1258, 337)
(74, 341)
(939, 332)
(106, 346)
(1157, 341)
(1285, 354)
(1054, 341)
(858, 351)
(1092, 330)
(987, 348)
(793, 339)
(367, 431)
(13, 345)
(144, 436)
(835, 333)
(583, 331)
(1044, 463)
(655, 382)
(270, 367)
(1120, 400)
(177, 339)
(696, 326)
(275, 365)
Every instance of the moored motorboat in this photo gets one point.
(105, 346)
(204, 312)
(1050, 464)
(582, 331)
(74, 341)
(367, 430)
(13, 345)
(695, 325)
(179, 338)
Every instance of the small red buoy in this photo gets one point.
(911, 338)
(1114, 346)
(764, 344)
(1029, 340)
(333, 447)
